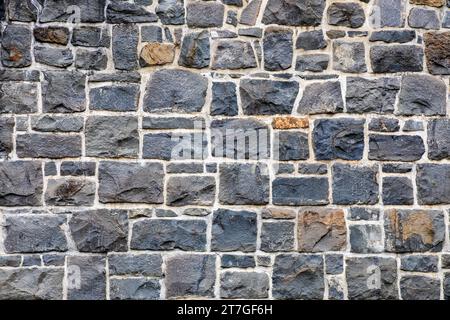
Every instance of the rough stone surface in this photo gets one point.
(437, 48)
(397, 58)
(294, 13)
(195, 50)
(236, 54)
(277, 236)
(278, 49)
(420, 288)
(429, 176)
(325, 97)
(86, 277)
(244, 285)
(349, 57)
(182, 191)
(346, 14)
(395, 147)
(70, 192)
(300, 191)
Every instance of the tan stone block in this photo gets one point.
(155, 53)
(431, 3)
(290, 123)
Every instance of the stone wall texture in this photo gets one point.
(224, 149)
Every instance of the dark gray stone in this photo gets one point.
(251, 32)
(51, 123)
(22, 183)
(66, 11)
(396, 58)
(22, 10)
(346, 14)
(395, 147)
(413, 125)
(312, 62)
(397, 167)
(334, 263)
(191, 190)
(420, 263)
(169, 234)
(277, 236)
(278, 49)
(388, 13)
(375, 96)
(397, 191)
(70, 192)
(10, 261)
(58, 35)
(55, 260)
(422, 95)
(349, 56)
(267, 97)
(384, 125)
(355, 184)
(120, 76)
(311, 40)
(190, 276)
(201, 14)
(323, 97)
(171, 11)
(114, 98)
(244, 285)
(292, 145)
(130, 182)
(64, 92)
(429, 177)
(243, 183)
(31, 283)
(360, 213)
(294, 13)
(300, 191)
(91, 59)
(224, 99)
(75, 168)
(6, 136)
(175, 146)
(175, 91)
(298, 276)
(112, 136)
(393, 36)
(366, 238)
(234, 231)
(125, 39)
(423, 19)
(188, 167)
(338, 139)
(237, 261)
(371, 278)
(86, 277)
(29, 234)
(147, 265)
(438, 139)
(173, 123)
(20, 75)
(50, 169)
(233, 54)
(195, 50)
(134, 289)
(312, 168)
(151, 34)
(16, 46)
(89, 36)
(31, 261)
(55, 57)
(126, 12)
(420, 288)
(51, 146)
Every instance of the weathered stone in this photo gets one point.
(114, 98)
(120, 76)
(148, 265)
(277, 213)
(414, 230)
(126, 12)
(396, 58)
(50, 123)
(393, 36)
(35, 233)
(55, 57)
(51, 146)
(252, 137)
(277, 236)
(438, 142)
(134, 289)
(312, 62)
(155, 54)
(312, 168)
(278, 49)
(294, 13)
(420, 288)
(63, 92)
(234, 231)
(125, 39)
(431, 3)
(175, 146)
(100, 230)
(388, 13)
(244, 184)
(151, 34)
(366, 95)
(338, 139)
(397, 167)
(300, 191)
(31, 283)
(6, 136)
(423, 19)
(31, 260)
(266, 97)
(237, 261)
(233, 54)
(349, 56)
(175, 91)
(366, 238)
(346, 14)
(20, 75)
(334, 264)
(112, 136)
(130, 182)
(224, 99)
(422, 95)
(250, 13)
(188, 167)
(16, 46)
(355, 184)
(191, 190)
(195, 50)
(70, 192)
(200, 14)
(437, 48)
(384, 124)
(72, 168)
(244, 285)
(171, 11)
(91, 59)
(197, 212)
(371, 278)
(298, 276)
(324, 97)
(395, 147)
(22, 10)
(321, 230)
(22, 183)
(173, 123)
(291, 146)
(10, 260)
(311, 40)
(58, 35)
(420, 263)
(169, 234)
(289, 122)
(88, 36)
(86, 277)
(67, 11)
(397, 191)
(360, 213)
(433, 184)
(190, 276)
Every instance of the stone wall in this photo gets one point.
(280, 149)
